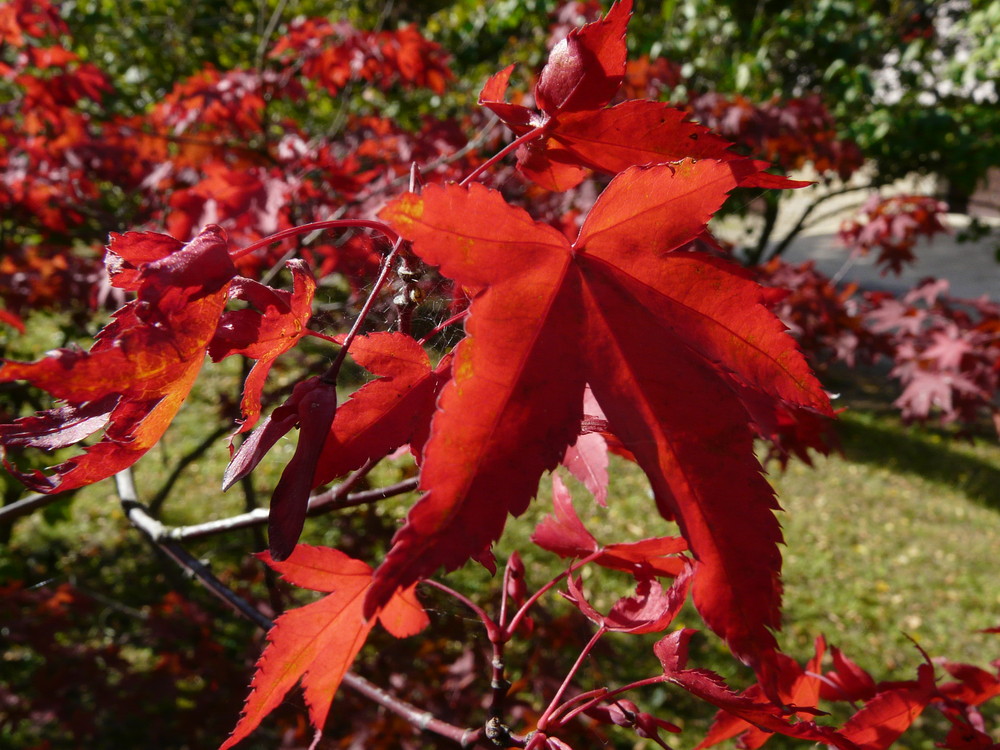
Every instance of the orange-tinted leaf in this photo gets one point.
(139, 370)
(662, 338)
(318, 642)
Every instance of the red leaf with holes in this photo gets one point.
(318, 642)
(142, 364)
(662, 338)
(273, 325)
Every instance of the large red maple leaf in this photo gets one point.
(667, 341)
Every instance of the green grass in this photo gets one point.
(896, 539)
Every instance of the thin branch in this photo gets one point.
(330, 376)
(26, 506)
(318, 504)
(492, 629)
(421, 719)
(265, 39)
(512, 146)
(543, 721)
(138, 514)
(780, 248)
(596, 697)
(378, 226)
(197, 452)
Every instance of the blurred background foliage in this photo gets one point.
(913, 82)
(99, 626)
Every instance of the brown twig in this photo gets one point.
(27, 505)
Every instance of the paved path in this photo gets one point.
(970, 267)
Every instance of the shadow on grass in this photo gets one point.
(924, 453)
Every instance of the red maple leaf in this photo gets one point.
(651, 610)
(891, 712)
(273, 326)
(379, 417)
(662, 338)
(795, 687)
(318, 642)
(583, 73)
(710, 687)
(142, 364)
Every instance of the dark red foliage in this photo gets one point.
(788, 133)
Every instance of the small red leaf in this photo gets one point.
(387, 413)
(672, 652)
(318, 642)
(585, 69)
(847, 681)
(266, 333)
(563, 533)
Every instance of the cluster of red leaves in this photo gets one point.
(200, 155)
(889, 708)
(679, 352)
(946, 353)
(332, 55)
(893, 225)
(789, 133)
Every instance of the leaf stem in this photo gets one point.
(441, 326)
(543, 722)
(607, 695)
(330, 376)
(315, 226)
(494, 631)
(531, 135)
(523, 611)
